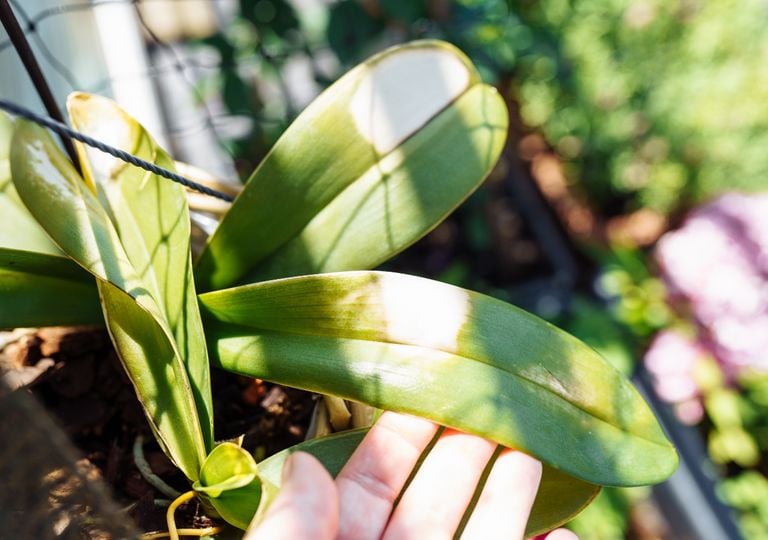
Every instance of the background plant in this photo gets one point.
(635, 95)
(710, 364)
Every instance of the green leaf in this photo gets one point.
(372, 165)
(71, 214)
(151, 217)
(229, 481)
(18, 229)
(559, 499)
(37, 289)
(39, 286)
(333, 451)
(460, 358)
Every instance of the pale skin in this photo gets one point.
(358, 505)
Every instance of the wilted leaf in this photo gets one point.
(71, 214)
(151, 217)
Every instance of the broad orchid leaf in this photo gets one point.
(373, 164)
(74, 218)
(18, 229)
(151, 217)
(559, 499)
(230, 482)
(37, 289)
(39, 286)
(460, 358)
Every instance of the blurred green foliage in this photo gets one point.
(739, 432)
(748, 492)
(253, 53)
(606, 517)
(656, 102)
(650, 102)
(735, 425)
(637, 298)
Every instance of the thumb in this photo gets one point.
(307, 507)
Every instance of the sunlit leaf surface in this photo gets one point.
(151, 217)
(373, 164)
(229, 481)
(78, 223)
(463, 359)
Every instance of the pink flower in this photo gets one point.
(718, 263)
(671, 359)
(690, 412)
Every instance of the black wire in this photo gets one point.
(66, 131)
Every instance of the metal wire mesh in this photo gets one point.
(197, 126)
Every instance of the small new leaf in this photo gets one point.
(229, 481)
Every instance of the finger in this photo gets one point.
(376, 473)
(505, 502)
(307, 506)
(562, 534)
(434, 503)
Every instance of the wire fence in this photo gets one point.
(181, 72)
(32, 25)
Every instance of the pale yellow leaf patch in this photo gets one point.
(401, 93)
(438, 320)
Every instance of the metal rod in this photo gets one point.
(23, 49)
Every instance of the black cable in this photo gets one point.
(64, 130)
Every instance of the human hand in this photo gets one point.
(358, 505)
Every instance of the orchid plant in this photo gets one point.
(282, 290)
